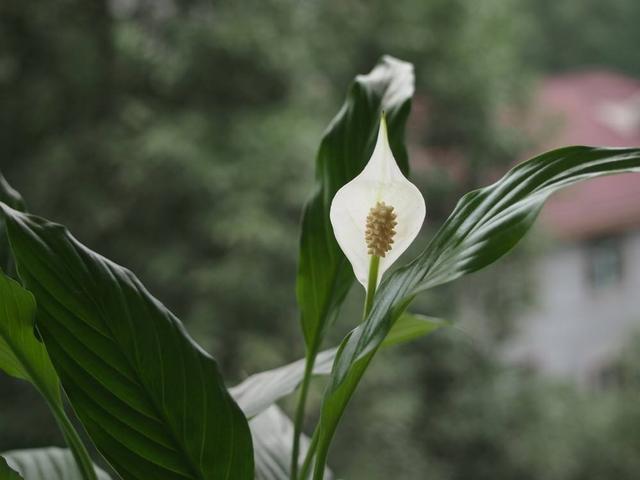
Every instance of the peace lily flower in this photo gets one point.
(377, 215)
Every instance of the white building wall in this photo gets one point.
(575, 328)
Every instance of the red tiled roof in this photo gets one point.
(592, 108)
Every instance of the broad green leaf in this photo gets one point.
(485, 225)
(21, 354)
(6, 472)
(152, 400)
(324, 274)
(45, 464)
(272, 433)
(261, 390)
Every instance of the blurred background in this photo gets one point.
(177, 137)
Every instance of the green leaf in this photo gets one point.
(10, 196)
(272, 433)
(324, 274)
(6, 472)
(485, 225)
(21, 354)
(411, 326)
(152, 400)
(261, 390)
(45, 464)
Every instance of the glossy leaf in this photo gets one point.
(261, 390)
(411, 326)
(485, 225)
(46, 464)
(11, 197)
(324, 274)
(272, 434)
(152, 400)
(21, 354)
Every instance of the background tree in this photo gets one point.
(192, 126)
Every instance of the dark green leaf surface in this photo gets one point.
(153, 402)
(324, 274)
(21, 354)
(45, 464)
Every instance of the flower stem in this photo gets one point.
(372, 284)
(299, 416)
(323, 451)
(80, 454)
(304, 473)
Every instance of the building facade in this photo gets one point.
(587, 282)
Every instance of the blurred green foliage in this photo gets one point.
(585, 33)
(177, 137)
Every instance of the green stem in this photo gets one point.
(306, 466)
(321, 462)
(326, 436)
(299, 416)
(80, 454)
(312, 352)
(323, 450)
(372, 284)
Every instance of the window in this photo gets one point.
(605, 263)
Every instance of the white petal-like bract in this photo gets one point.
(380, 181)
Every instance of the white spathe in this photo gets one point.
(380, 181)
